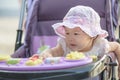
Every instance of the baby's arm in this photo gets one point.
(53, 52)
(115, 47)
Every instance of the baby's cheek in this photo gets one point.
(67, 40)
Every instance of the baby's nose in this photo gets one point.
(71, 39)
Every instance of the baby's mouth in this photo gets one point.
(73, 45)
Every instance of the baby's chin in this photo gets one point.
(74, 49)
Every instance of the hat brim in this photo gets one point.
(60, 30)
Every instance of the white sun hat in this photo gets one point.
(84, 17)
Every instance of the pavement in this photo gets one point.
(8, 27)
(9, 19)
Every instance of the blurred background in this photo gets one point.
(9, 19)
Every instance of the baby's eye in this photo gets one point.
(67, 33)
(76, 33)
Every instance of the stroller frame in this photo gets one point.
(86, 71)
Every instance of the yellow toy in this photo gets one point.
(75, 56)
(4, 57)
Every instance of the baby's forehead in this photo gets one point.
(75, 28)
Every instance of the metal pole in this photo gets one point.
(19, 31)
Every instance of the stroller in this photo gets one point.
(41, 15)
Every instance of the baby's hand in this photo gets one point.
(42, 55)
(45, 55)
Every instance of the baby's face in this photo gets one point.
(76, 39)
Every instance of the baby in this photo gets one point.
(81, 31)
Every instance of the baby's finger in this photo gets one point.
(42, 55)
(45, 55)
(49, 55)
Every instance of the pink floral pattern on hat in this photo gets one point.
(74, 19)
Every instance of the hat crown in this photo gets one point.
(86, 14)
